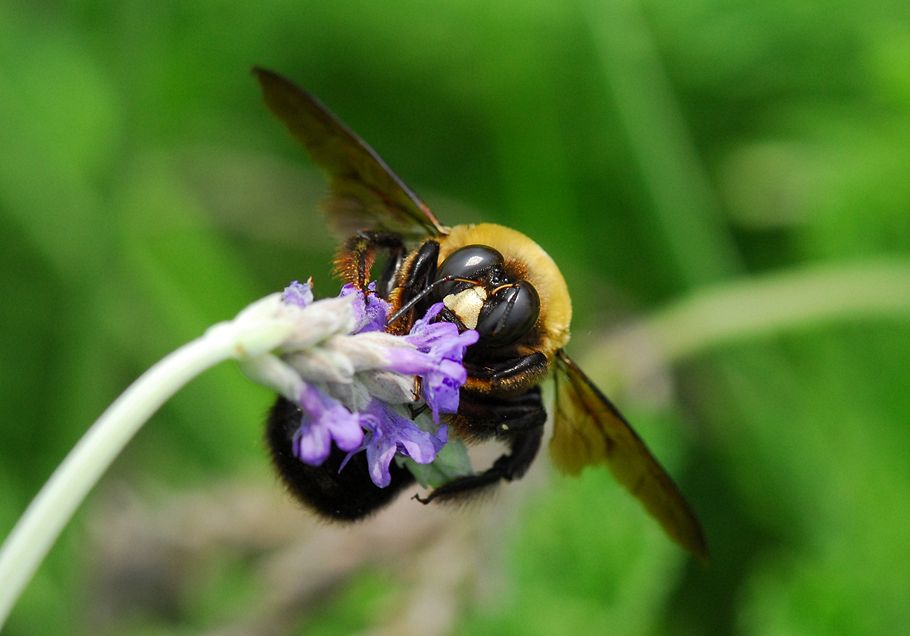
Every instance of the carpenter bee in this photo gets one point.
(490, 278)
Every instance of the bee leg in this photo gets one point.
(419, 270)
(386, 281)
(507, 376)
(355, 259)
(518, 420)
(523, 445)
(341, 495)
(416, 274)
(484, 416)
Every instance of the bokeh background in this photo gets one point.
(726, 186)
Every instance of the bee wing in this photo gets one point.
(365, 193)
(589, 430)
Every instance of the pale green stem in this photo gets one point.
(762, 306)
(777, 303)
(49, 512)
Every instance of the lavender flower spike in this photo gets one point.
(349, 377)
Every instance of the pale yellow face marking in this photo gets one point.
(466, 305)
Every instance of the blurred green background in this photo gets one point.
(667, 154)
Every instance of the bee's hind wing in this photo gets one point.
(588, 429)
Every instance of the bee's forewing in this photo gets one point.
(365, 193)
(590, 430)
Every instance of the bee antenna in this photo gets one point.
(424, 293)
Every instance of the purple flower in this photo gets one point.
(389, 433)
(324, 419)
(297, 293)
(433, 351)
(370, 310)
(437, 360)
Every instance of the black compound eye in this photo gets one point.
(473, 262)
(509, 314)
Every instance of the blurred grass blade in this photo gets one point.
(689, 218)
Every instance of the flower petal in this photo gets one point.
(312, 443)
(325, 419)
(379, 455)
(298, 294)
(441, 395)
(417, 444)
(346, 432)
(410, 361)
(391, 433)
(370, 311)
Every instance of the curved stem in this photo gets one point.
(774, 303)
(781, 302)
(49, 512)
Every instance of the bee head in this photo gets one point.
(475, 285)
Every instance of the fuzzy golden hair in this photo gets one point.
(523, 255)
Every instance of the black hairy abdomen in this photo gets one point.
(348, 495)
